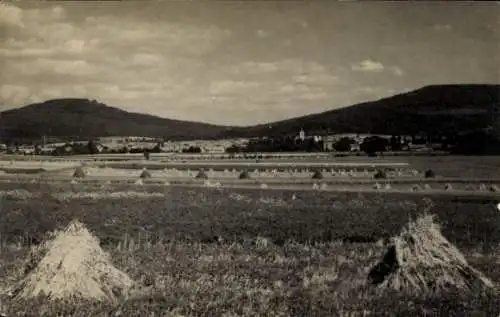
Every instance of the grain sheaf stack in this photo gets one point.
(72, 265)
(79, 172)
(420, 261)
(244, 175)
(201, 175)
(145, 174)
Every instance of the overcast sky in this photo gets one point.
(240, 63)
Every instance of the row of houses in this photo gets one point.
(137, 144)
(205, 146)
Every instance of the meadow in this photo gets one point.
(244, 252)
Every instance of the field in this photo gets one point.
(236, 251)
(245, 252)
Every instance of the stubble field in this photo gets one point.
(238, 252)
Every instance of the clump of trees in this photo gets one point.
(192, 149)
(476, 143)
(278, 144)
(343, 144)
(374, 144)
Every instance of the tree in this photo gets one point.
(477, 143)
(372, 145)
(93, 147)
(395, 143)
(344, 144)
(192, 149)
(157, 148)
(233, 149)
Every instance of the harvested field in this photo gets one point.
(242, 252)
(313, 216)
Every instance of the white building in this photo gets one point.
(302, 135)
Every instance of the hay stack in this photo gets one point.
(71, 265)
(427, 187)
(145, 174)
(388, 186)
(377, 186)
(482, 187)
(263, 186)
(317, 175)
(429, 174)
(244, 175)
(380, 175)
(79, 172)
(421, 261)
(448, 187)
(315, 186)
(139, 182)
(74, 182)
(201, 175)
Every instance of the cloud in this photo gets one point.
(49, 66)
(14, 93)
(262, 34)
(53, 13)
(252, 67)
(146, 59)
(230, 87)
(101, 56)
(396, 70)
(293, 86)
(368, 65)
(11, 15)
(166, 36)
(442, 27)
(305, 72)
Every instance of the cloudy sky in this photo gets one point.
(240, 63)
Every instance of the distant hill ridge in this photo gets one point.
(431, 109)
(437, 109)
(89, 118)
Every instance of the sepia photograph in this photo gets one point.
(206, 158)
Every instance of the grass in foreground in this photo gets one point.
(252, 278)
